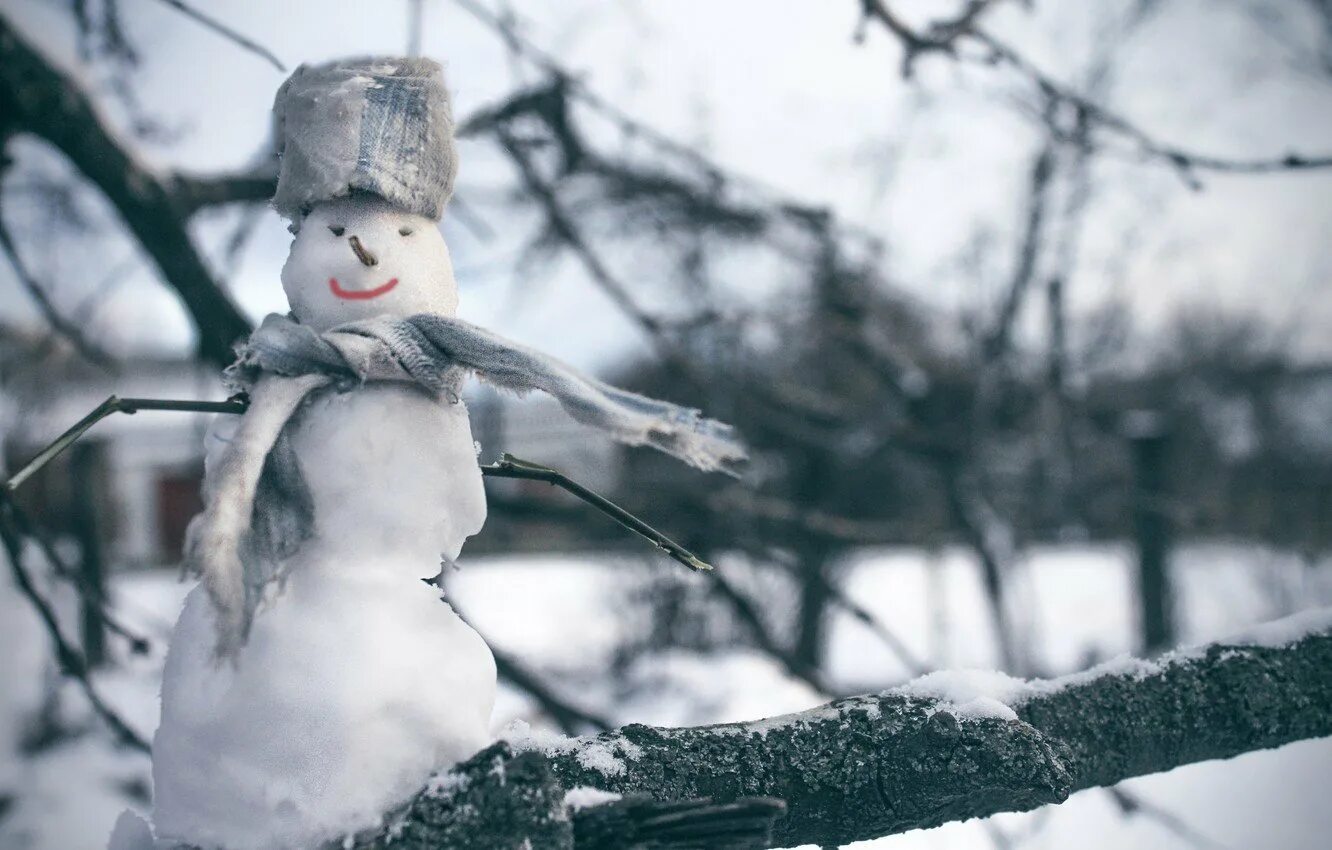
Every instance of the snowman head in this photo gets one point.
(360, 257)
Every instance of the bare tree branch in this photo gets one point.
(569, 717)
(226, 32)
(61, 325)
(1185, 162)
(997, 341)
(940, 36)
(72, 662)
(1131, 804)
(501, 799)
(981, 528)
(37, 98)
(191, 194)
(899, 760)
(138, 644)
(946, 37)
(752, 621)
(566, 715)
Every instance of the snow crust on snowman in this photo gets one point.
(314, 681)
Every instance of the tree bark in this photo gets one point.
(885, 763)
(499, 800)
(1150, 441)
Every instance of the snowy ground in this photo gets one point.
(565, 617)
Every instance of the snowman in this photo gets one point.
(314, 680)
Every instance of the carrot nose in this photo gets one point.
(362, 253)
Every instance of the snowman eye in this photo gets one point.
(405, 231)
(337, 229)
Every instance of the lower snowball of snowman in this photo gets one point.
(294, 751)
(357, 681)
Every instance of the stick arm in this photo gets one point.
(511, 467)
(507, 467)
(236, 404)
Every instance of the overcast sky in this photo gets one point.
(779, 92)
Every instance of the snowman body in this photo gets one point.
(356, 680)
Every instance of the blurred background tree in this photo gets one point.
(976, 280)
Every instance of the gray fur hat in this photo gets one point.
(374, 124)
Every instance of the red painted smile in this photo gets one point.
(360, 294)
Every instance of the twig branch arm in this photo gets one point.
(508, 466)
(512, 467)
(115, 404)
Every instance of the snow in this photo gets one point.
(1285, 631)
(446, 784)
(604, 753)
(583, 797)
(523, 738)
(349, 693)
(989, 693)
(969, 693)
(69, 796)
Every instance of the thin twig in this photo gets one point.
(753, 622)
(940, 36)
(62, 326)
(226, 32)
(996, 344)
(138, 644)
(507, 30)
(234, 248)
(567, 230)
(115, 404)
(1131, 804)
(469, 218)
(1184, 162)
(504, 27)
(571, 719)
(862, 614)
(946, 36)
(72, 662)
(779, 514)
(564, 227)
(976, 519)
(511, 467)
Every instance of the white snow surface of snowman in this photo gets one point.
(358, 680)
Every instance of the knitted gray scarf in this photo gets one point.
(258, 510)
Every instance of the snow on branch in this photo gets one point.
(952, 746)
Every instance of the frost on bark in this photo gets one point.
(493, 800)
(879, 764)
(499, 799)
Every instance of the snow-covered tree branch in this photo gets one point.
(950, 746)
